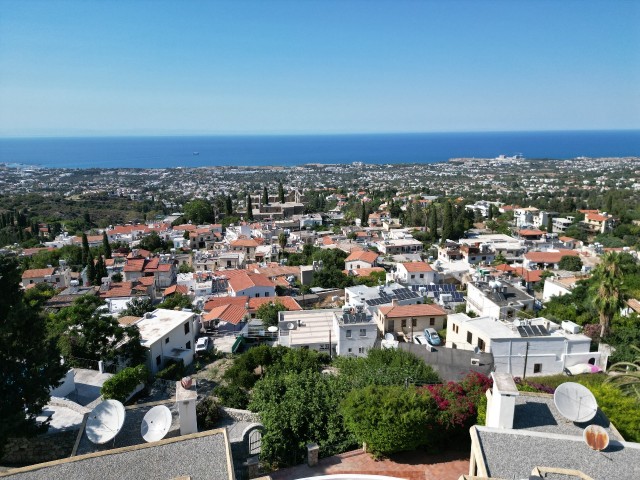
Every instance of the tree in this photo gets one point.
(363, 215)
(153, 242)
(199, 211)
(571, 263)
(185, 268)
(282, 241)
(433, 222)
(265, 196)
(91, 270)
(280, 193)
(105, 245)
(447, 221)
(177, 300)
(608, 295)
(100, 271)
(249, 208)
(228, 206)
(29, 360)
(550, 224)
(389, 419)
(85, 249)
(137, 307)
(268, 312)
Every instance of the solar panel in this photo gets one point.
(522, 332)
(529, 331)
(543, 331)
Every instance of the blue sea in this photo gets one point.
(288, 150)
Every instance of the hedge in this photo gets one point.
(123, 383)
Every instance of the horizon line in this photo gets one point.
(299, 134)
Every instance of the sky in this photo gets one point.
(298, 67)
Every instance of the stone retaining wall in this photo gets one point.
(240, 415)
(42, 448)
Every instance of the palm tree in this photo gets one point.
(608, 296)
(282, 241)
(628, 377)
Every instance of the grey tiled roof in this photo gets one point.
(514, 453)
(198, 456)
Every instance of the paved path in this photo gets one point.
(406, 465)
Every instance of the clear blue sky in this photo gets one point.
(269, 66)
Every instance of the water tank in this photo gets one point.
(570, 327)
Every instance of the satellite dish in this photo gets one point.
(272, 329)
(291, 325)
(596, 437)
(389, 337)
(476, 350)
(105, 421)
(156, 423)
(575, 402)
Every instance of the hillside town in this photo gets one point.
(472, 279)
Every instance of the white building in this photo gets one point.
(168, 334)
(497, 300)
(329, 331)
(542, 345)
(415, 273)
(556, 287)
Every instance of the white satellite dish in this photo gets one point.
(105, 421)
(272, 329)
(156, 423)
(575, 402)
(389, 337)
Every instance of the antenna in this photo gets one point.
(105, 421)
(575, 402)
(156, 423)
(389, 337)
(596, 437)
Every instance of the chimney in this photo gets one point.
(501, 401)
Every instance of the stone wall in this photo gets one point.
(42, 448)
(240, 415)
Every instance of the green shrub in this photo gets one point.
(622, 411)
(482, 411)
(233, 396)
(172, 371)
(123, 383)
(208, 413)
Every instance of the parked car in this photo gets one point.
(432, 336)
(420, 339)
(203, 344)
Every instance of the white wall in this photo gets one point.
(177, 339)
(356, 344)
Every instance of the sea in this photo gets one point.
(291, 150)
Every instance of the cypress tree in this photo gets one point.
(100, 271)
(105, 244)
(280, 192)
(265, 196)
(447, 221)
(91, 270)
(228, 206)
(363, 215)
(433, 222)
(85, 249)
(249, 208)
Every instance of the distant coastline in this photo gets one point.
(292, 150)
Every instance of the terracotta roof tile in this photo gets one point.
(420, 310)
(362, 256)
(38, 272)
(417, 267)
(233, 314)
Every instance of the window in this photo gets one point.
(455, 328)
(414, 322)
(361, 350)
(158, 360)
(348, 333)
(363, 332)
(481, 344)
(266, 294)
(166, 340)
(537, 367)
(469, 337)
(186, 328)
(188, 346)
(422, 275)
(413, 276)
(432, 321)
(349, 350)
(257, 295)
(404, 322)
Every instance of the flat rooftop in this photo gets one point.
(315, 326)
(158, 323)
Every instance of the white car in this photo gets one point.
(420, 339)
(203, 344)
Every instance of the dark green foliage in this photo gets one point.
(199, 211)
(232, 396)
(105, 245)
(185, 268)
(138, 307)
(571, 263)
(116, 277)
(298, 408)
(208, 413)
(385, 367)
(100, 271)
(85, 249)
(177, 300)
(228, 206)
(268, 312)
(249, 209)
(123, 383)
(37, 296)
(172, 371)
(91, 270)
(154, 243)
(265, 196)
(280, 193)
(29, 361)
(390, 419)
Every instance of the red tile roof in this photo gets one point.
(549, 257)
(420, 310)
(530, 233)
(363, 272)
(229, 313)
(362, 256)
(503, 267)
(531, 276)
(244, 280)
(121, 289)
(288, 302)
(38, 272)
(244, 242)
(134, 265)
(219, 301)
(175, 289)
(417, 267)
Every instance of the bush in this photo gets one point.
(622, 411)
(233, 396)
(123, 383)
(208, 413)
(481, 419)
(172, 371)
